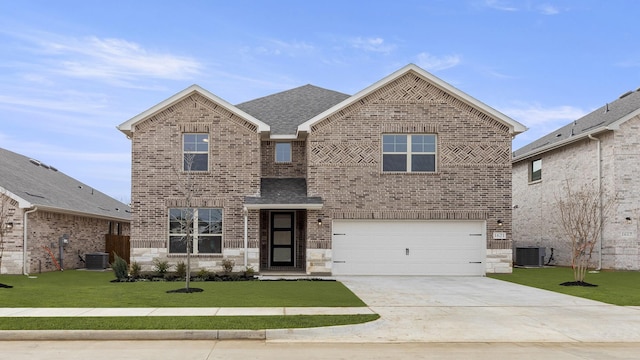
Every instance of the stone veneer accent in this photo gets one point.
(536, 219)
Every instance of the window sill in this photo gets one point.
(535, 182)
(410, 173)
(195, 255)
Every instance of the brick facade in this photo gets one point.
(535, 216)
(159, 184)
(341, 161)
(86, 235)
(472, 181)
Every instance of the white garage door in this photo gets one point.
(411, 247)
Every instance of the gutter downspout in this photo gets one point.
(25, 232)
(245, 212)
(599, 150)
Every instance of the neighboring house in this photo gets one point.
(39, 205)
(599, 149)
(408, 176)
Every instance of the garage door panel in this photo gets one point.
(408, 247)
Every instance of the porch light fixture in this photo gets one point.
(319, 222)
(499, 222)
(628, 220)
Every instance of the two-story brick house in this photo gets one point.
(408, 176)
(600, 150)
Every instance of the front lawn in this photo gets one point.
(614, 287)
(77, 288)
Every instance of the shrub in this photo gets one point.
(181, 270)
(227, 265)
(161, 266)
(203, 274)
(135, 270)
(250, 271)
(120, 268)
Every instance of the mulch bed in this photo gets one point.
(578, 283)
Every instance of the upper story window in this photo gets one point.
(195, 148)
(535, 170)
(203, 225)
(283, 152)
(409, 152)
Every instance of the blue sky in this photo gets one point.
(71, 71)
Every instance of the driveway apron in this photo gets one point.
(473, 309)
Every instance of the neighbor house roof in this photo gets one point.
(284, 111)
(608, 117)
(129, 126)
(33, 183)
(514, 126)
(289, 193)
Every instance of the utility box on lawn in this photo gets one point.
(96, 261)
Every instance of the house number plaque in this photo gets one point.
(499, 235)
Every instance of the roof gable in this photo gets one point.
(447, 90)
(608, 117)
(284, 111)
(32, 183)
(128, 127)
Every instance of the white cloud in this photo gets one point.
(541, 120)
(547, 9)
(514, 6)
(372, 44)
(533, 115)
(500, 5)
(434, 63)
(116, 58)
(277, 47)
(117, 61)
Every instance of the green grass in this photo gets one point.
(614, 287)
(182, 323)
(95, 289)
(77, 288)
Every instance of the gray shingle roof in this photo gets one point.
(592, 122)
(284, 111)
(283, 191)
(46, 187)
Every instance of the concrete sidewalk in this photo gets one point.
(199, 311)
(412, 309)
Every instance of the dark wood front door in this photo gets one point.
(282, 238)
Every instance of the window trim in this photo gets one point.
(409, 152)
(531, 171)
(185, 152)
(275, 151)
(195, 233)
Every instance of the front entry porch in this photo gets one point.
(283, 240)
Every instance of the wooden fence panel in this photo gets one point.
(120, 244)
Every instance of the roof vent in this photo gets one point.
(35, 162)
(558, 135)
(626, 94)
(45, 166)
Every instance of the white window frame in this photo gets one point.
(195, 233)
(409, 152)
(278, 160)
(186, 153)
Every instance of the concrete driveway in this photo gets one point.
(472, 309)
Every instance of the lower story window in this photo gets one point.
(200, 229)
